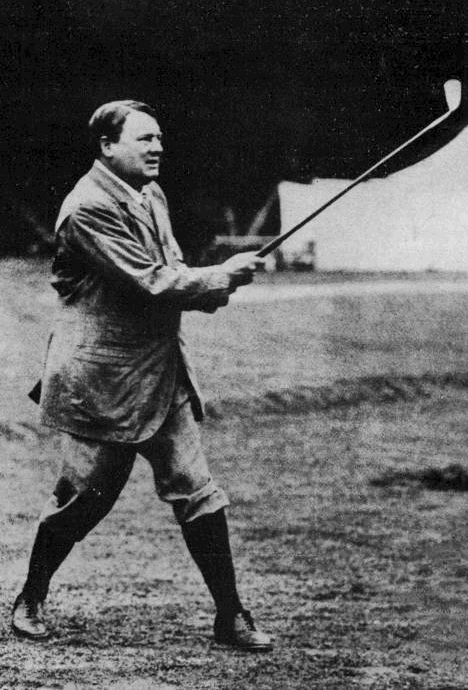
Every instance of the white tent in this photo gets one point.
(415, 219)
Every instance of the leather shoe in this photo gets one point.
(27, 618)
(240, 631)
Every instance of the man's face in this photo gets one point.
(136, 156)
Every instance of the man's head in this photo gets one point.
(128, 139)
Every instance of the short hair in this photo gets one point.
(108, 120)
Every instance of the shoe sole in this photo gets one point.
(28, 636)
(255, 648)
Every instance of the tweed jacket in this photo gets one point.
(116, 344)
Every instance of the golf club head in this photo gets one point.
(452, 89)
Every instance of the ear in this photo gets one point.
(106, 146)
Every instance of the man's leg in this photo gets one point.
(48, 552)
(182, 478)
(93, 475)
(207, 540)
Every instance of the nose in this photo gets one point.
(156, 145)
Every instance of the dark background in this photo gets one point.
(249, 93)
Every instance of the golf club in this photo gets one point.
(452, 89)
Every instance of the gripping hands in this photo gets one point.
(241, 268)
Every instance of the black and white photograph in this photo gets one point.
(234, 345)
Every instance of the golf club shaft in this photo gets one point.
(271, 246)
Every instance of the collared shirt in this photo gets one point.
(134, 193)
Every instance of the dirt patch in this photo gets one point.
(451, 478)
(341, 394)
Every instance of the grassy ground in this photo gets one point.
(345, 552)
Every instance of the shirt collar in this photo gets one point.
(135, 194)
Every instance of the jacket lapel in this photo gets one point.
(121, 195)
(137, 211)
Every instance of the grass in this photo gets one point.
(344, 553)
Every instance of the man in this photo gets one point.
(117, 380)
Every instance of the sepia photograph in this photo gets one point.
(234, 345)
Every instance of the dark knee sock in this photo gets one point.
(207, 539)
(48, 553)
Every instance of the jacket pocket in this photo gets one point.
(103, 352)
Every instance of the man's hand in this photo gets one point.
(241, 268)
(238, 270)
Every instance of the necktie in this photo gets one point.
(146, 204)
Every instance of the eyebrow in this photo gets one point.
(149, 134)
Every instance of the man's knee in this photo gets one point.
(72, 514)
(209, 499)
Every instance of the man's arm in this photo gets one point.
(99, 232)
